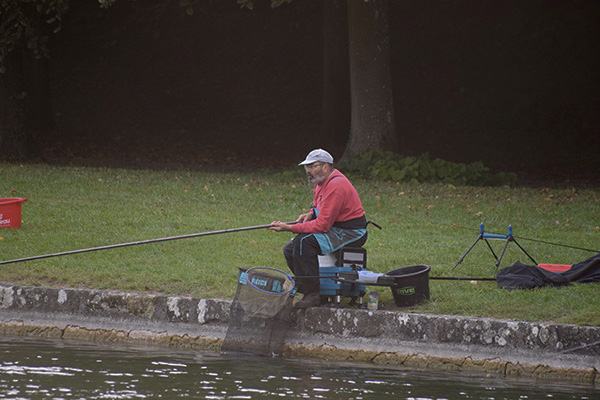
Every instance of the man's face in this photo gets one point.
(315, 173)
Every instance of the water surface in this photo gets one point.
(53, 369)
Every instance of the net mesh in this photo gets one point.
(262, 292)
(261, 313)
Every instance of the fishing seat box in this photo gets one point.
(345, 259)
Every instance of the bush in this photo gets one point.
(394, 167)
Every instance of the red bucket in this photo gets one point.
(10, 212)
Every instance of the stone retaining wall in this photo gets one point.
(471, 345)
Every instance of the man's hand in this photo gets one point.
(306, 217)
(279, 226)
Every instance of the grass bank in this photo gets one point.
(79, 207)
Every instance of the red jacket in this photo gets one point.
(336, 200)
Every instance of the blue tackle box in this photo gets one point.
(347, 259)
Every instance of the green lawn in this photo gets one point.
(72, 208)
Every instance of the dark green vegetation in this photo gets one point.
(389, 166)
(79, 207)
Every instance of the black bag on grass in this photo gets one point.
(521, 276)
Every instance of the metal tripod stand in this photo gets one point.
(508, 238)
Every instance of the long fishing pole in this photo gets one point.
(114, 246)
(557, 244)
(441, 278)
(460, 278)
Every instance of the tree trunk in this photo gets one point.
(372, 125)
(12, 106)
(336, 75)
(25, 112)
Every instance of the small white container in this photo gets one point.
(373, 303)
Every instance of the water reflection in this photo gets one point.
(41, 369)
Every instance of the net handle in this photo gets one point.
(268, 291)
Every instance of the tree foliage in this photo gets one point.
(28, 24)
(26, 28)
(249, 4)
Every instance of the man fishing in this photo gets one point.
(336, 219)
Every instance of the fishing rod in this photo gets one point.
(164, 239)
(557, 244)
(460, 278)
(389, 280)
(585, 346)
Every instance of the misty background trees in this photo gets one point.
(510, 83)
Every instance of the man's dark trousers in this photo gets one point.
(301, 254)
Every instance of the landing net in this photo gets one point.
(261, 313)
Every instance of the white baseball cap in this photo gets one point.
(317, 155)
